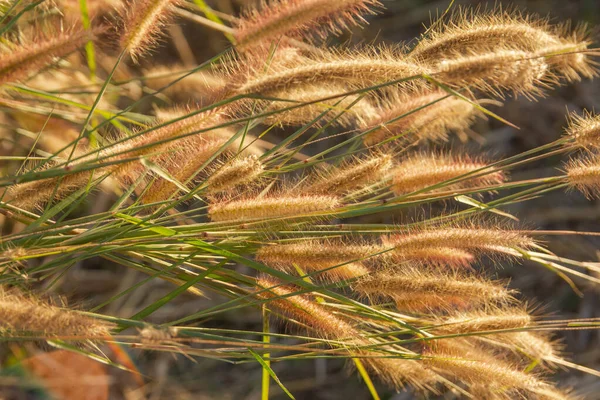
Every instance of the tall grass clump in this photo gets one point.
(290, 179)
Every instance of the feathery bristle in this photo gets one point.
(426, 115)
(342, 110)
(305, 310)
(423, 170)
(472, 238)
(489, 371)
(36, 193)
(352, 175)
(496, 71)
(324, 323)
(316, 255)
(144, 21)
(487, 320)
(441, 256)
(20, 314)
(570, 58)
(202, 86)
(272, 207)
(19, 60)
(584, 130)
(356, 68)
(277, 18)
(583, 174)
(183, 166)
(417, 290)
(239, 172)
(468, 29)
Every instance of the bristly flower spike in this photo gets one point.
(276, 18)
(584, 131)
(143, 22)
(318, 255)
(352, 175)
(275, 206)
(583, 174)
(19, 60)
(20, 314)
(424, 115)
(423, 170)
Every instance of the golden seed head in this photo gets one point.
(470, 29)
(352, 175)
(281, 206)
(417, 290)
(317, 255)
(305, 310)
(144, 21)
(584, 130)
(425, 115)
(20, 314)
(423, 170)
(495, 71)
(278, 18)
(239, 172)
(474, 238)
(583, 174)
(485, 320)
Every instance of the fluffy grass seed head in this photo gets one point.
(318, 255)
(320, 108)
(425, 115)
(143, 22)
(240, 171)
(495, 71)
(356, 68)
(272, 206)
(352, 175)
(19, 59)
(276, 18)
(583, 174)
(417, 289)
(423, 170)
(485, 320)
(584, 131)
(474, 238)
(469, 29)
(26, 314)
(305, 310)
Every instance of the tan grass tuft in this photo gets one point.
(277, 18)
(583, 174)
(21, 314)
(472, 238)
(341, 110)
(144, 21)
(239, 172)
(469, 29)
(423, 170)
(279, 206)
(416, 289)
(496, 71)
(324, 323)
(425, 115)
(584, 130)
(352, 175)
(317, 255)
(19, 59)
(356, 68)
(487, 320)
(304, 309)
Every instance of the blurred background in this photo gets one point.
(540, 122)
